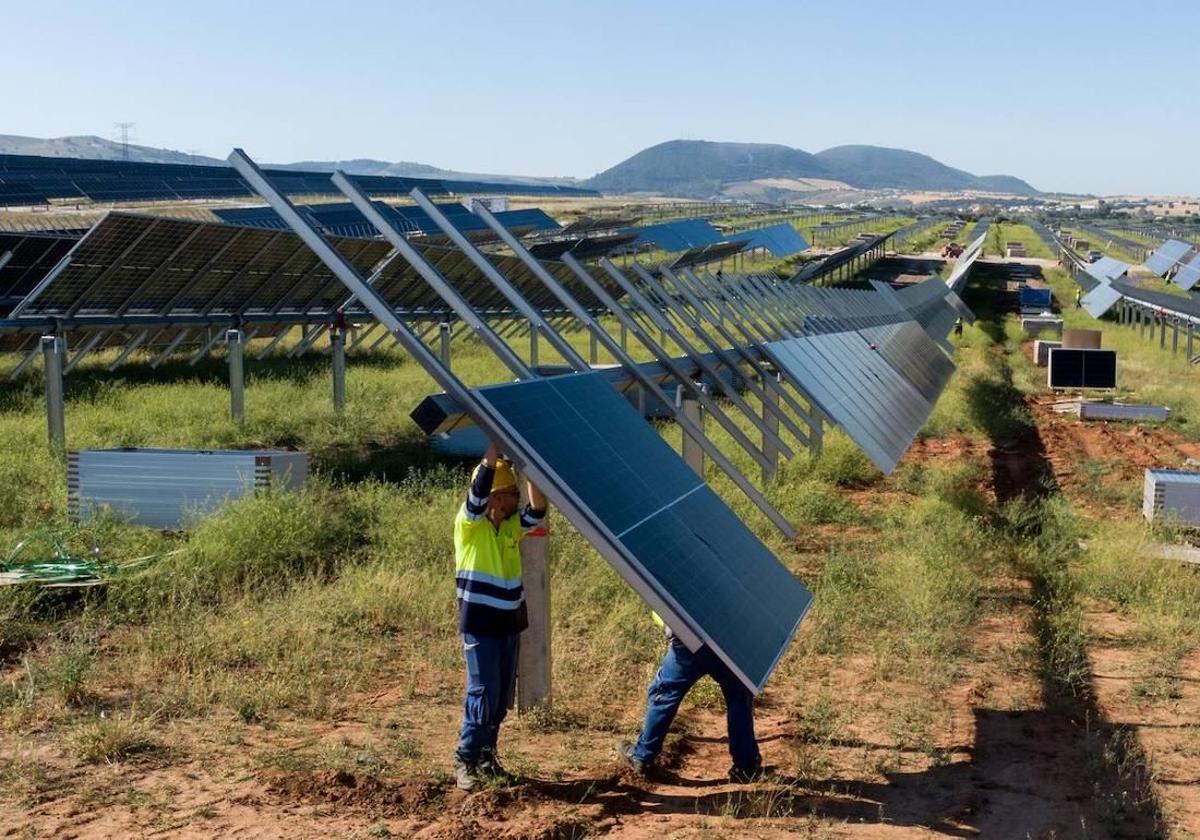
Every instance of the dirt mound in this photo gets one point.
(339, 787)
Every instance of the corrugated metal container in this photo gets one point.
(1174, 493)
(168, 488)
(1035, 326)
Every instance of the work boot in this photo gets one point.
(466, 776)
(489, 766)
(741, 775)
(625, 753)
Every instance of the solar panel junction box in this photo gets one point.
(169, 488)
(1172, 493)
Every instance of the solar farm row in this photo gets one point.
(35, 180)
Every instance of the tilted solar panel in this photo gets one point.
(782, 240)
(1100, 299)
(1107, 268)
(685, 545)
(677, 236)
(1189, 275)
(1167, 256)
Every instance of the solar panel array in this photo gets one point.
(34, 180)
(681, 235)
(344, 219)
(811, 271)
(161, 270)
(1107, 268)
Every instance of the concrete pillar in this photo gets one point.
(693, 454)
(337, 347)
(534, 661)
(771, 421)
(54, 349)
(444, 336)
(235, 341)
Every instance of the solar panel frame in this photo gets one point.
(1167, 256)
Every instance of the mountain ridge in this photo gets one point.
(703, 168)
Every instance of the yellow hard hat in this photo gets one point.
(506, 476)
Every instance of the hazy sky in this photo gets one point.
(1081, 96)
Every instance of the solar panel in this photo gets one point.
(1100, 299)
(1188, 275)
(32, 256)
(677, 236)
(857, 388)
(1034, 297)
(1167, 256)
(686, 545)
(1107, 268)
(709, 253)
(1080, 368)
(782, 240)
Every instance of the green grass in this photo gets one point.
(1010, 232)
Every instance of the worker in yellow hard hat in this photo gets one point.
(491, 606)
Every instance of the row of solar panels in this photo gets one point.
(344, 219)
(688, 235)
(34, 180)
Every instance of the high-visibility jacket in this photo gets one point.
(487, 564)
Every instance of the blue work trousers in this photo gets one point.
(679, 671)
(491, 678)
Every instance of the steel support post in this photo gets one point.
(444, 335)
(534, 660)
(693, 454)
(770, 401)
(593, 349)
(54, 348)
(337, 347)
(624, 338)
(1189, 340)
(1162, 331)
(1174, 336)
(1141, 323)
(235, 342)
(533, 344)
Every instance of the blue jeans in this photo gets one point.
(491, 676)
(679, 671)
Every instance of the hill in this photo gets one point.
(701, 168)
(96, 148)
(876, 167)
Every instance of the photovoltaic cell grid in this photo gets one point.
(677, 236)
(1167, 256)
(31, 256)
(684, 543)
(134, 265)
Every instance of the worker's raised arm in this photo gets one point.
(535, 510)
(481, 484)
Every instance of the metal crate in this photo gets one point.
(1175, 493)
(170, 488)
